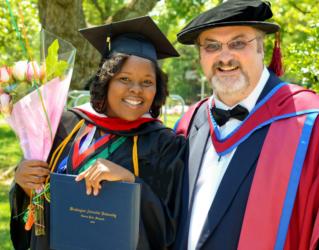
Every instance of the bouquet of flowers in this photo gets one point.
(33, 94)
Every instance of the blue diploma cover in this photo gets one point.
(109, 220)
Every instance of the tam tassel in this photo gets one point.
(276, 61)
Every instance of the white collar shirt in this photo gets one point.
(214, 167)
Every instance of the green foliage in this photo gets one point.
(98, 11)
(4, 217)
(300, 40)
(300, 43)
(184, 73)
(19, 90)
(54, 66)
(170, 120)
(10, 153)
(10, 47)
(298, 19)
(304, 62)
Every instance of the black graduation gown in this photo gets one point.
(160, 156)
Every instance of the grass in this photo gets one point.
(170, 120)
(4, 217)
(10, 152)
(10, 155)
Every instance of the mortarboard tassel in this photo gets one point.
(107, 48)
(276, 61)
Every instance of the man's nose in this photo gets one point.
(225, 56)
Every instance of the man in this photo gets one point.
(253, 180)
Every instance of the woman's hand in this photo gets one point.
(103, 170)
(31, 174)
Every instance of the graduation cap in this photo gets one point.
(139, 36)
(230, 13)
(252, 13)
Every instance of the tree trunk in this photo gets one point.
(134, 9)
(65, 17)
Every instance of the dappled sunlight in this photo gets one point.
(4, 216)
(10, 155)
(10, 152)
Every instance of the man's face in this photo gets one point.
(232, 60)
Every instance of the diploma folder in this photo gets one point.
(109, 220)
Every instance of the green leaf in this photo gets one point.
(54, 67)
(51, 60)
(60, 68)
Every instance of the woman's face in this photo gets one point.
(132, 90)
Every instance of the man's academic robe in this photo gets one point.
(223, 226)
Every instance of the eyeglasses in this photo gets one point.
(214, 46)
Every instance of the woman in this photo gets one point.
(126, 96)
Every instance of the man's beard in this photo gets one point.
(229, 85)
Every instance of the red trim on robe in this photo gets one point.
(287, 100)
(303, 231)
(315, 234)
(78, 158)
(270, 183)
(116, 124)
(304, 224)
(183, 124)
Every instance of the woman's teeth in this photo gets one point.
(133, 102)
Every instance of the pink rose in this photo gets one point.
(4, 74)
(5, 104)
(33, 71)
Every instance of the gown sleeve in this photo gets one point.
(18, 199)
(18, 203)
(161, 181)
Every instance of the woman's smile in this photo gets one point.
(132, 90)
(133, 101)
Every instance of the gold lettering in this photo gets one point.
(84, 216)
(93, 212)
(99, 218)
(109, 215)
(75, 209)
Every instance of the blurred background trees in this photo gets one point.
(299, 21)
(300, 47)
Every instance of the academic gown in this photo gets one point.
(222, 229)
(160, 157)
